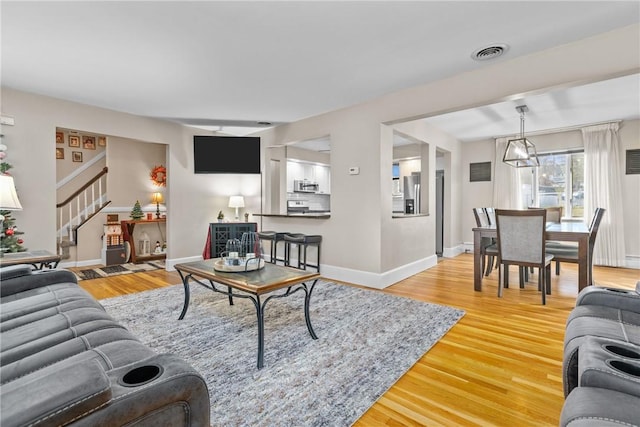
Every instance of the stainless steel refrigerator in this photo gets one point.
(412, 193)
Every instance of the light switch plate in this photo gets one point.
(6, 120)
(354, 170)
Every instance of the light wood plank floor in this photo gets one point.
(500, 365)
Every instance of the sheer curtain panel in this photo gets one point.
(603, 190)
(507, 192)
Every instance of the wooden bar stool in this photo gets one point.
(303, 241)
(273, 237)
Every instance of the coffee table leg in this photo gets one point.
(187, 294)
(307, 318)
(260, 312)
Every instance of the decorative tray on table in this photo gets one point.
(238, 265)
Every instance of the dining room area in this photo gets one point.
(562, 200)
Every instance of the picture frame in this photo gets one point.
(59, 153)
(74, 141)
(76, 156)
(59, 137)
(89, 142)
(102, 141)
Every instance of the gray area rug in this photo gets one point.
(367, 341)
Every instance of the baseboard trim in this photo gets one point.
(70, 264)
(453, 252)
(377, 280)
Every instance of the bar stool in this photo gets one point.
(273, 237)
(303, 241)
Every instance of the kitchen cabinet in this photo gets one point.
(323, 178)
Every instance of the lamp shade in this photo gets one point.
(521, 153)
(156, 197)
(236, 202)
(8, 197)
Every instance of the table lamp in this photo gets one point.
(157, 199)
(236, 202)
(8, 199)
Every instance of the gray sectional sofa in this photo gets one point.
(65, 361)
(601, 365)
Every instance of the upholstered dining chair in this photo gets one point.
(488, 249)
(554, 214)
(568, 252)
(521, 242)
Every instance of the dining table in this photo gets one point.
(562, 232)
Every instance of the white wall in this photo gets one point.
(192, 200)
(360, 233)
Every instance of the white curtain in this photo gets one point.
(603, 189)
(507, 192)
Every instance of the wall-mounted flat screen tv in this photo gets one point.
(226, 154)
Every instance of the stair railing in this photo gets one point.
(80, 206)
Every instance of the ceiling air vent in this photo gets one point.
(489, 52)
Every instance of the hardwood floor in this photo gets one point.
(500, 365)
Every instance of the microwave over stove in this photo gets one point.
(304, 186)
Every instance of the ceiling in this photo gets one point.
(233, 66)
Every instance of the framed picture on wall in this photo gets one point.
(89, 142)
(59, 153)
(74, 141)
(76, 156)
(59, 137)
(102, 141)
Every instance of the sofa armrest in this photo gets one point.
(623, 299)
(20, 278)
(57, 397)
(160, 390)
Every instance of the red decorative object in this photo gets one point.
(9, 232)
(159, 176)
(20, 241)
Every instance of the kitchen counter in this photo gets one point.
(310, 215)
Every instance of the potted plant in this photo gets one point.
(220, 216)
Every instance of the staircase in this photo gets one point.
(78, 209)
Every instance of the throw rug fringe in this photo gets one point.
(118, 269)
(366, 341)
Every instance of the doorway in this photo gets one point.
(439, 212)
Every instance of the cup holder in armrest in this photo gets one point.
(625, 367)
(622, 351)
(620, 291)
(141, 375)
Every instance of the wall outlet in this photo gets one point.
(354, 170)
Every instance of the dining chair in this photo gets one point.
(521, 242)
(554, 215)
(568, 252)
(488, 249)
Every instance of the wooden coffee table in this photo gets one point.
(39, 259)
(252, 285)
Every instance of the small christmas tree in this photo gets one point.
(9, 240)
(136, 213)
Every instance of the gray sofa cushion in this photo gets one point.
(596, 407)
(64, 360)
(593, 320)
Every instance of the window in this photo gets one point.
(559, 181)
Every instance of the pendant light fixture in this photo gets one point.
(520, 152)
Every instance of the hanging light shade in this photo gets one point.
(520, 152)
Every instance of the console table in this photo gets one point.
(220, 232)
(127, 235)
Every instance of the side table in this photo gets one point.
(39, 259)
